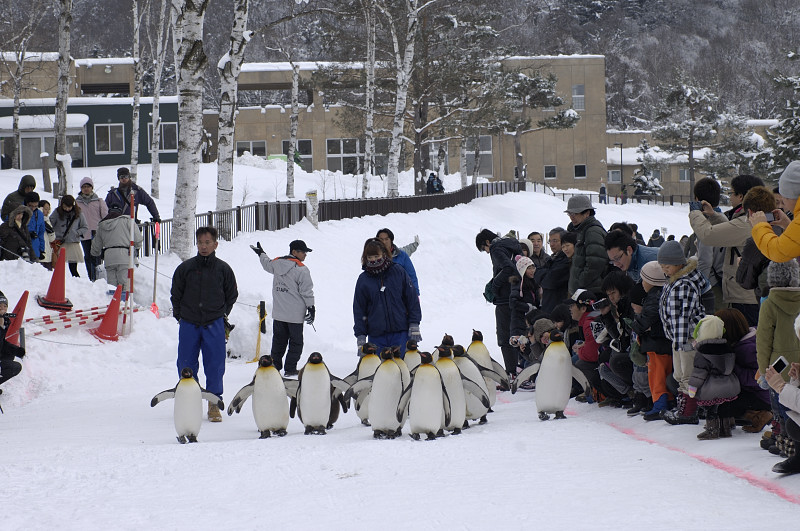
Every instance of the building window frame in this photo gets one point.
(305, 148)
(344, 155)
(486, 168)
(580, 171)
(550, 171)
(172, 137)
(115, 140)
(683, 175)
(579, 97)
(614, 176)
(251, 146)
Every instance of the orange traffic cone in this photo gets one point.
(108, 326)
(55, 298)
(12, 334)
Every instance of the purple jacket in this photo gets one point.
(747, 365)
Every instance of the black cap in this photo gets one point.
(299, 245)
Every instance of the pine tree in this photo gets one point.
(784, 138)
(644, 181)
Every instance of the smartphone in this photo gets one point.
(780, 364)
(695, 205)
(770, 216)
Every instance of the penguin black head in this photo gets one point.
(315, 358)
(556, 335)
(369, 348)
(396, 352)
(411, 345)
(444, 351)
(186, 372)
(265, 361)
(425, 357)
(477, 335)
(387, 354)
(447, 341)
(458, 351)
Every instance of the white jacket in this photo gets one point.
(292, 288)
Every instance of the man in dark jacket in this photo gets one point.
(17, 198)
(553, 276)
(9, 367)
(203, 293)
(591, 260)
(502, 252)
(120, 196)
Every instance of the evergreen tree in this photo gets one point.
(784, 138)
(644, 180)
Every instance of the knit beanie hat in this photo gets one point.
(523, 263)
(709, 327)
(3, 299)
(671, 253)
(652, 273)
(541, 326)
(527, 243)
(87, 180)
(789, 181)
(783, 275)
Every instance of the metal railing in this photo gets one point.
(614, 199)
(281, 214)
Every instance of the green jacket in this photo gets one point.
(776, 336)
(591, 259)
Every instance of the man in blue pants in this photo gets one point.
(203, 293)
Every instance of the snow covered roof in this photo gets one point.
(43, 102)
(540, 57)
(102, 61)
(762, 123)
(42, 122)
(31, 56)
(285, 66)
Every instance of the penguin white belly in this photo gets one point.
(387, 387)
(270, 404)
(412, 360)
(479, 352)
(554, 382)
(363, 410)
(314, 397)
(406, 379)
(455, 391)
(475, 408)
(425, 405)
(366, 369)
(188, 413)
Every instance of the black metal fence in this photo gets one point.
(281, 214)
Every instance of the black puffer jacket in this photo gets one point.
(502, 252)
(521, 302)
(752, 270)
(553, 277)
(590, 261)
(648, 326)
(16, 240)
(203, 289)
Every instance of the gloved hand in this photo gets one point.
(155, 219)
(311, 313)
(360, 342)
(257, 249)
(413, 332)
(41, 256)
(416, 239)
(692, 390)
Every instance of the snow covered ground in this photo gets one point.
(82, 449)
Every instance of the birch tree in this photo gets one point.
(158, 47)
(188, 16)
(370, 17)
(293, 122)
(229, 68)
(62, 95)
(137, 88)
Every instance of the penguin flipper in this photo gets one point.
(339, 384)
(292, 406)
(445, 404)
(526, 375)
(240, 398)
(359, 387)
(291, 387)
(362, 397)
(163, 395)
(351, 378)
(475, 390)
(212, 398)
(403, 403)
(581, 378)
(496, 372)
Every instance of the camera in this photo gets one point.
(770, 216)
(602, 303)
(695, 205)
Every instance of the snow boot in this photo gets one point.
(712, 430)
(686, 412)
(639, 404)
(726, 425)
(790, 466)
(659, 406)
(213, 413)
(758, 419)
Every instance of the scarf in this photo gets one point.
(376, 267)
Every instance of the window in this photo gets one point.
(381, 156)
(580, 171)
(656, 174)
(257, 148)
(303, 152)
(578, 98)
(486, 165)
(550, 172)
(109, 138)
(343, 155)
(614, 176)
(683, 176)
(168, 141)
(434, 155)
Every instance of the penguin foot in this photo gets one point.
(483, 420)
(280, 433)
(432, 436)
(365, 422)
(329, 426)
(543, 416)
(264, 434)
(414, 436)
(181, 439)
(465, 426)
(319, 430)
(399, 432)
(456, 431)
(309, 429)
(560, 415)
(490, 410)
(440, 433)
(192, 438)
(378, 435)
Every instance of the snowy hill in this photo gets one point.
(85, 451)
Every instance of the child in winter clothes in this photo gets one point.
(591, 327)
(681, 309)
(70, 227)
(538, 340)
(713, 382)
(523, 298)
(36, 227)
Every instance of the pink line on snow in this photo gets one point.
(764, 484)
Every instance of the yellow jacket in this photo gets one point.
(779, 248)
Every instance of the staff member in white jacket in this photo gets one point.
(111, 244)
(292, 303)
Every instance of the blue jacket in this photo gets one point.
(385, 303)
(36, 224)
(140, 197)
(401, 258)
(641, 256)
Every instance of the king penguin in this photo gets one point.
(412, 355)
(476, 392)
(317, 397)
(426, 400)
(452, 379)
(188, 413)
(270, 402)
(387, 387)
(554, 382)
(367, 365)
(480, 354)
